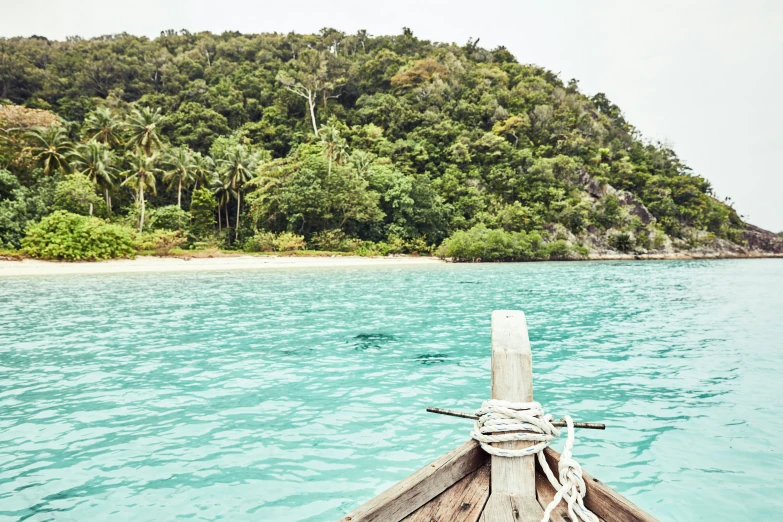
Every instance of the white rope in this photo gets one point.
(502, 421)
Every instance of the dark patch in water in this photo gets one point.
(468, 282)
(429, 359)
(372, 341)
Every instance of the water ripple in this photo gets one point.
(296, 395)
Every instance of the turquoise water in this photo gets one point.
(296, 395)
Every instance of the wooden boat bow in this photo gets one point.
(469, 485)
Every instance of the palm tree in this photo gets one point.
(51, 148)
(223, 193)
(104, 127)
(236, 167)
(140, 175)
(181, 169)
(361, 161)
(143, 129)
(97, 162)
(335, 147)
(203, 169)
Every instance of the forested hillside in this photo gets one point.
(332, 142)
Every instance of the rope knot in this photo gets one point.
(504, 421)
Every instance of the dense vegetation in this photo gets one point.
(332, 142)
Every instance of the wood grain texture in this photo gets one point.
(410, 494)
(601, 499)
(513, 479)
(511, 508)
(512, 380)
(464, 501)
(545, 493)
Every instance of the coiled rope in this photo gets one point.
(498, 419)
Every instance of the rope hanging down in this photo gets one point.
(496, 422)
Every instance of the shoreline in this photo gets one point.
(680, 256)
(177, 264)
(228, 262)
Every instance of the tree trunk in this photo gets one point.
(141, 197)
(236, 224)
(311, 103)
(108, 199)
(179, 193)
(220, 219)
(225, 209)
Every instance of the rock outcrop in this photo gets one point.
(761, 240)
(626, 199)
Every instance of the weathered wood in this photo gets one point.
(512, 380)
(411, 493)
(511, 508)
(464, 501)
(513, 481)
(545, 493)
(601, 499)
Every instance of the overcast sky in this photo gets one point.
(703, 76)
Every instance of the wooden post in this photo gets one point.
(513, 480)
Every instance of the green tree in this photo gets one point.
(203, 169)
(180, 169)
(143, 130)
(223, 193)
(237, 167)
(104, 127)
(140, 175)
(202, 210)
(442, 138)
(310, 75)
(98, 163)
(51, 149)
(194, 126)
(334, 146)
(76, 194)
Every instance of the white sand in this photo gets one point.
(29, 267)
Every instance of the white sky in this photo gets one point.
(703, 76)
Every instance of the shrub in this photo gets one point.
(203, 206)
(372, 249)
(621, 241)
(269, 242)
(658, 240)
(170, 217)
(558, 250)
(334, 240)
(484, 244)
(260, 242)
(289, 242)
(161, 241)
(76, 194)
(419, 245)
(72, 237)
(133, 213)
(608, 213)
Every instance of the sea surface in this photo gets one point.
(296, 395)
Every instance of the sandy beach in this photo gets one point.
(145, 264)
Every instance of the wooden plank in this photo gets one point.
(464, 501)
(511, 508)
(602, 500)
(513, 481)
(545, 493)
(512, 380)
(411, 493)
